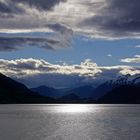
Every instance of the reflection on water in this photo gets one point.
(69, 122)
(72, 108)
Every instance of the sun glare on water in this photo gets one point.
(72, 108)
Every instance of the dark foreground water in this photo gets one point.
(69, 122)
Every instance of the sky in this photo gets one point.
(64, 43)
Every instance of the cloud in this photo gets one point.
(67, 13)
(117, 19)
(135, 59)
(40, 4)
(109, 55)
(16, 43)
(8, 8)
(35, 66)
(35, 72)
(105, 19)
(138, 46)
(130, 71)
(13, 7)
(60, 37)
(65, 33)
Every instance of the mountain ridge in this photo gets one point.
(12, 91)
(125, 89)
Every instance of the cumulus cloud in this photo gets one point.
(135, 59)
(35, 72)
(35, 66)
(130, 71)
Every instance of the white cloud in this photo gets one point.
(109, 55)
(135, 59)
(138, 46)
(25, 67)
(130, 71)
(35, 72)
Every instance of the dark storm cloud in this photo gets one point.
(65, 34)
(16, 43)
(105, 19)
(60, 38)
(119, 17)
(60, 28)
(40, 4)
(11, 7)
(5, 8)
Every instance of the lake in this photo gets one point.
(70, 122)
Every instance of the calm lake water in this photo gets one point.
(70, 122)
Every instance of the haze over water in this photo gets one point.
(69, 122)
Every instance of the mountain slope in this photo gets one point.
(122, 90)
(15, 92)
(47, 91)
(82, 92)
(101, 90)
(70, 98)
(108, 86)
(128, 94)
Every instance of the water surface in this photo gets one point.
(70, 122)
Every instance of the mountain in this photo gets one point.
(108, 86)
(70, 98)
(124, 90)
(47, 91)
(67, 95)
(101, 90)
(127, 94)
(83, 91)
(15, 92)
